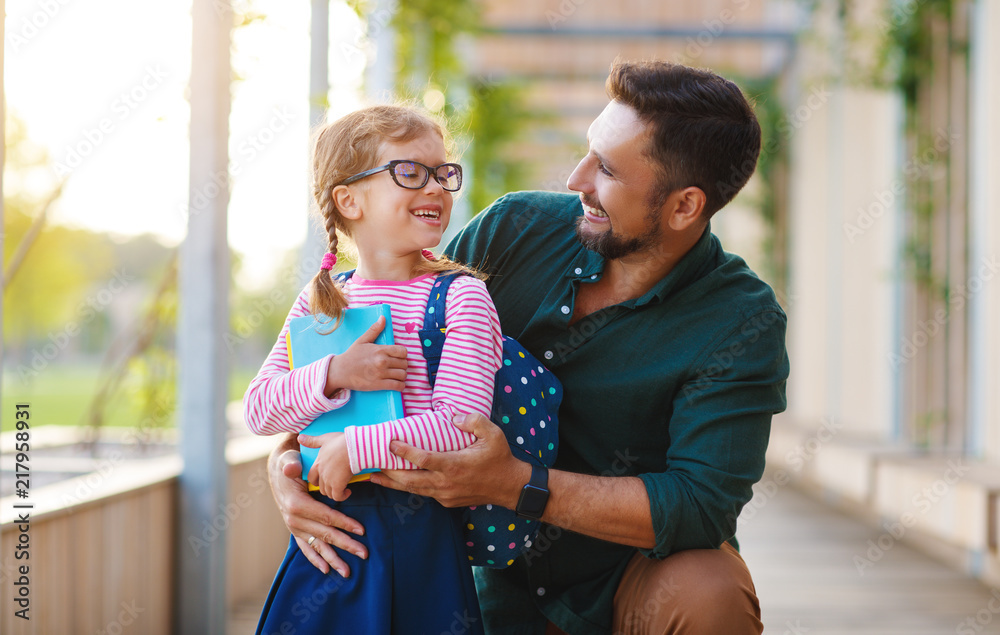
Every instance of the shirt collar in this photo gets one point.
(589, 264)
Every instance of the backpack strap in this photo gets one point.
(344, 276)
(432, 334)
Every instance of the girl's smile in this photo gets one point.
(391, 224)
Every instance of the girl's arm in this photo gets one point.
(283, 400)
(465, 379)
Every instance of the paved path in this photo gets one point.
(801, 555)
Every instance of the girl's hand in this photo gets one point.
(331, 470)
(368, 366)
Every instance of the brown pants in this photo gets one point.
(695, 592)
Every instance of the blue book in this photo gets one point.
(307, 343)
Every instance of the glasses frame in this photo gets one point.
(391, 167)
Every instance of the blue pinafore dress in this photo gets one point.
(416, 579)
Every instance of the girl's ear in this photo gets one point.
(347, 202)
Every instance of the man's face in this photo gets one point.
(615, 180)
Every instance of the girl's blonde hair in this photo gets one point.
(347, 147)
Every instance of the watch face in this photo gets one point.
(532, 501)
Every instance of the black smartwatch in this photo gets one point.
(535, 494)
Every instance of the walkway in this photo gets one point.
(801, 554)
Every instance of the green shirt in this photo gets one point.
(676, 387)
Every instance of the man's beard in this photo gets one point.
(611, 246)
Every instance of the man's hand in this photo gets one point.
(368, 366)
(484, 473)
(306, 517)
(331, 470)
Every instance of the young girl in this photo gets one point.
(381, 177)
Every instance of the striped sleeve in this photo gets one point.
(469, 360)
(283, 400)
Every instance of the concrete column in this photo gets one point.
(316, 242)
(203, 317)
(844, 201)
(984, 200)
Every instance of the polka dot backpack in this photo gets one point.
(526, 407)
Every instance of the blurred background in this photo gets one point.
(869, 214)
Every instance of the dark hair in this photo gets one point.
(703, 132)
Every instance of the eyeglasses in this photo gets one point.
(413, 176)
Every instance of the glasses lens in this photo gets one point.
(449, 176)
(410, 174)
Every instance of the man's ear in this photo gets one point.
(347, 202)
(685, 208)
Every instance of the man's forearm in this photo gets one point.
(612, 508)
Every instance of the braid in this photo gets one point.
(326, 296)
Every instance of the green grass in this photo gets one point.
(61, 395)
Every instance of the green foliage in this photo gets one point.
(61, 266)
(908, 45)
(904, 42)
(59, 274)
(427, 31)
(495, 118)
(773, 119)
(490, 114)
(151, 389)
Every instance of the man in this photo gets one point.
(671, 354)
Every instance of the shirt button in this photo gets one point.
(578, 271)
(541, 590)
(549, 355)
(565, 310)
(593, 277)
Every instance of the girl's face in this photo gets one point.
(396, 221)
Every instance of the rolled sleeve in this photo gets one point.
(719, 432)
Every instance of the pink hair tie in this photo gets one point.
(428, 254)
(329, 259)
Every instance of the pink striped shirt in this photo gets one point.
(280, 400)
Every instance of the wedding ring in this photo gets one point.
(311, 540)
